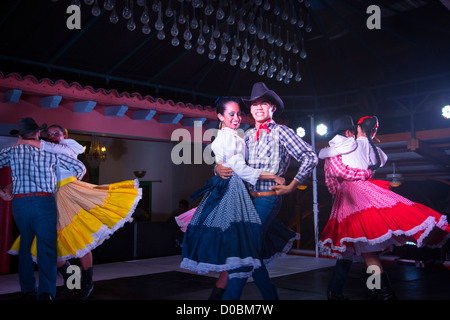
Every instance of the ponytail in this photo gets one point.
(369, 126)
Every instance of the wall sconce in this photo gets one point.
(97, 153)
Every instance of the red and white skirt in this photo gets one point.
(368, 217)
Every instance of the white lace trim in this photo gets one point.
(269, 262)
(362, 244)
(230, 264)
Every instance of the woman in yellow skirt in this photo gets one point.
(87, 214)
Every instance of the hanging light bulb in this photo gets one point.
(126, 12)
(298, 76)
(131, 25)
(187, 35)
(145, 17)
(96, 9)
(114, 17)
(200, 49)
(159, 25)
(209, 9)
(108, 5)
(161, 35)
(169, 11)
(146, 29)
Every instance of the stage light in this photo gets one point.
(301, 132)
(321, 129)
(446, 111)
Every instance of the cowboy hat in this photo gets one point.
(342, 124)
(27, 125)
(259, 91)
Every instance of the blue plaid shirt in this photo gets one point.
(35, 171)
(272, 153)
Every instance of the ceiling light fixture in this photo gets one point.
(260, 35)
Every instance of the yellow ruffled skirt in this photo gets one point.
(88, 214)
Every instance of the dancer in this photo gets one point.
(368, 218)
(343, 142)
(225, 230)
(270, 148)
(87, 214)
(34, 207)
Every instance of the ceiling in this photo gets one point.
(400, 72)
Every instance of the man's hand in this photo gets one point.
(283, 189)
(223, 172)
(5, 195)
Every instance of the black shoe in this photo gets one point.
(45, 296)
(62, 294)
(331, 295)
(87, 286)
(385, 292)
(216, 294)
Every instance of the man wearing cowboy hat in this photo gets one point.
(34, 179)
(270, 147)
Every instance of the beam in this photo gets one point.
(172, 118)
(84, 106)
(143, 114)
(193, 122)
(12, 96)
(50, 102)
(115, 111)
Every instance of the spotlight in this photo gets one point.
(446, 111)
(301, 132)
(322, 129)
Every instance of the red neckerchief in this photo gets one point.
(264, 127)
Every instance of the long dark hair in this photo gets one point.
(369, 126)
(222, 101)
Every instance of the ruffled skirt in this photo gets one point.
(368, 217)
(225, 230)
(88, 214)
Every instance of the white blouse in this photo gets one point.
(230, 149)
(68, 147)
(363, 156)
(339, 145)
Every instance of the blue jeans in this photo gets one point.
(267, 208)
(36, 217)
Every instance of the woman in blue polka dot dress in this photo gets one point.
(225, 230)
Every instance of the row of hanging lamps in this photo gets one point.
(260, 35)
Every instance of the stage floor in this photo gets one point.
(296, 278)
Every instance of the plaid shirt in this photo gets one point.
(35, 171)
(272, 152)
(336, 172)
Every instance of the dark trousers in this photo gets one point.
(267, 208)
(36, 217)
(340, 274)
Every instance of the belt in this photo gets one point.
(33, 194)
(65, 181)
(263, 194)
